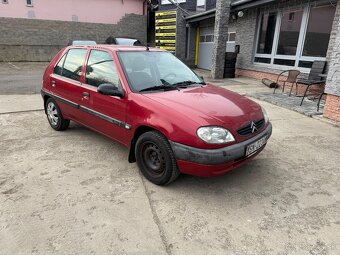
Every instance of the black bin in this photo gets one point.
(230, 64)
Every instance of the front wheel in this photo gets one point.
(155, 158)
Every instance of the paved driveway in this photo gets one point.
(73, 192)
(21, 78)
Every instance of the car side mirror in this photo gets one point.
(110, 90)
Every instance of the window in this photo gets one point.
(207, 38)
(145, 69)
(58, 69)
(289, 32)
(318, 31)
(29, 3)
(73, 64)
(295, 37)
(231, 36)
(101, 69)
(201, 5)
(74, 18)
(266, 36)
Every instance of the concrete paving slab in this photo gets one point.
(70, 193)
(74, 192)
(20, 103)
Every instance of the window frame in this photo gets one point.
(306, 8)
(119, 85)
(201, 7)
(29, 5)
(65, 53)
(62, 66)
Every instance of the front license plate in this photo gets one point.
(252, 148)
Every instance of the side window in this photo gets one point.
(101, 69)
(58, 69)
(73, 63)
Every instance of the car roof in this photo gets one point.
(116, 47)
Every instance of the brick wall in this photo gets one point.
(40, 40)
(332, 106)
(333, 77)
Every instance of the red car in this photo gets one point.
(171, 121)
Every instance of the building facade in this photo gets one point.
(272, 36)
(35, 30)
(99, 11)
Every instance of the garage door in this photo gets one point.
(205, 48)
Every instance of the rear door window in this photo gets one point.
(101, 69)
(73, 64)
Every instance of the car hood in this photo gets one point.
(210, 105)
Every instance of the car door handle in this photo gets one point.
(86, 94)
(53, 83)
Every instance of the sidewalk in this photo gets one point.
(20, 103)
(255, 89)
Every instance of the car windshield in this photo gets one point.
(152, 70)
(128, 41)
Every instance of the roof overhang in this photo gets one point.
(234, 6)
(201, 16)
(245, 4)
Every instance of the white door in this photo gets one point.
(205, 48)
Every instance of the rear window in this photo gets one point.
(70, 65)
(58, 69)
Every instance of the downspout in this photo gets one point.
(197, 44)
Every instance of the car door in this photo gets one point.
(66, 82)
(105, 114)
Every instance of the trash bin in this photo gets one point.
(230, 64)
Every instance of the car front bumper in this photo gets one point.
(208, 162)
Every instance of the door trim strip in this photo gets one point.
(87, 110)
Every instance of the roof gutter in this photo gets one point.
(244, 4)
(199, 16)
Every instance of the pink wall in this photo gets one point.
(96, 11)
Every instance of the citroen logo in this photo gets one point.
(253, 127)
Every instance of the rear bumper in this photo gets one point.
(208, 162)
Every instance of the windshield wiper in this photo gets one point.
(158, 87)
(186, 83)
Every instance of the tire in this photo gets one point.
(155, 158)
(54, 116)
(229, 65)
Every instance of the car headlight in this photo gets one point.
(265, 115)
(215, 135)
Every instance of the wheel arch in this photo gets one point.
(46, 97)
(138, 132)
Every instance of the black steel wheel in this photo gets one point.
(155, 158)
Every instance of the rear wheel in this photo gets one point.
(155, 158)
(55, 117)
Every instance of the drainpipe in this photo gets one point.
(220, 38)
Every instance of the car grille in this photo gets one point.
(247, 130)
